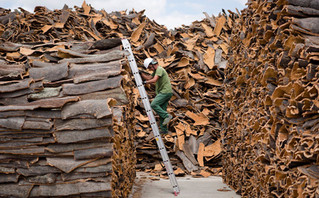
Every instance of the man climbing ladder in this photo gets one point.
(163, 90)
(151, 117)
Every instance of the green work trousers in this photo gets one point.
(159, 104)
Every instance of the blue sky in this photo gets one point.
(171, 13)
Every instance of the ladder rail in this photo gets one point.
(150, 115)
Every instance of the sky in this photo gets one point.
(171, 13)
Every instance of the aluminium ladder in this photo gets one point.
(147, 106)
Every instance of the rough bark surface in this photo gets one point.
(56, 145)
(270, 118)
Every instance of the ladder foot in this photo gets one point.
(176, 193)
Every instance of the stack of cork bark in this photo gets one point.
(271, 115)
(195, 57)
(59, 132)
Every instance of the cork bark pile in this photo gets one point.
(271, 115)
(245, 89)
(59, 71)
(60, 133)
(194, 56)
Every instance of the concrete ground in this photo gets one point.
(190, 187)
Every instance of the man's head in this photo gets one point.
(150, 63)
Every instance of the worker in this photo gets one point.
(163, 90)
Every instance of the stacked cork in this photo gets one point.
(59, 127)
(195, 57)
(271, 121)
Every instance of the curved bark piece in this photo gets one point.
(81, 124)
(310, 24)
(300, 11)
(105, 44)
(9, 46)
(187, 163)
(68, 189)
(34, 86)
(10, 86)
(18, 107)
(63, 148)
(95, 71)
(97, 108)
(66, 164)
(305, 3)
(50, 73)
(54, 102)
(16, 69)
(91, 68)
(26, 151)
(41, 124)
(93, 86)
(47, 113)
(78, 136)
(12, 122)
(150, 40)
(47, 92)
(96, 76)
(94, 153)
(14, 190)
(111, 56)
(65, 53)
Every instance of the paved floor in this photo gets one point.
(210, 187)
